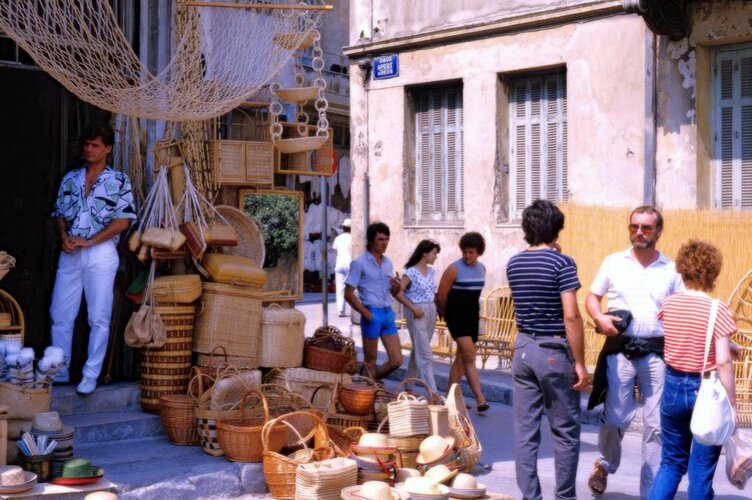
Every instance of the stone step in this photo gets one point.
(154, 469)
(116, 425)
(118, 396)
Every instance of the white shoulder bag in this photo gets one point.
(712, 418)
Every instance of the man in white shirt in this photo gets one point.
(638, 279)
(343, 246)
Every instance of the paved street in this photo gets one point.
(495, 432)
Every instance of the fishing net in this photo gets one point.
(79, 43)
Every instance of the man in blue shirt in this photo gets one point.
(94, 205)
(372, 275)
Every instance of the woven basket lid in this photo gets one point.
(275, 314)
(250, 240)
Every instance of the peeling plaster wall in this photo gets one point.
(684, 102)
(606, 92)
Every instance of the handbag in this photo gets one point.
(145, 327)
(739, 459)
(712, 418)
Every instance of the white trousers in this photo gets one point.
(91, 271)
(340, 274)
(421, 331)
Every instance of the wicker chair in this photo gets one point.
(498, 328)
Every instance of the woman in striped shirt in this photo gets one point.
(458, 302)
(685, 321)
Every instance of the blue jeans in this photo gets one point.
(681, 453)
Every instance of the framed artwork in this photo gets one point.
(280, 215)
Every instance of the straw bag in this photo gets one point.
(325, 480)
(206, 419)
(178, 420)
(145, 327)
(328, 351)
(24, 402)
(234, 270)
(221, 235)
(193, 239)
(357, 397)
(462, 428)
(177, 289)
(408, 416)
(230, 387)
(282, 337)
(280, 471)
(241, 439)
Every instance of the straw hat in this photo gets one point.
(406, 472)
(466, 486)
(434, 448)
(373, 446)
(101, 495)
(424, 487)
(441, 473)
(373, 440)
(372, 490)
(13, 479)
(49, 423)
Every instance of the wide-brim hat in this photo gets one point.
(355, 493)
(30, 479)
(468, 493)
(441, 491)
(80, 468)
(441, 473)
(434, 448)
(47, 422)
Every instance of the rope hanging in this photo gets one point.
(79, 43)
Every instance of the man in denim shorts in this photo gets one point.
(372, 275)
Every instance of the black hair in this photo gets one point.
(473, 240)
(542, 222)
(423, 248)
(102, 130)
(373, 229)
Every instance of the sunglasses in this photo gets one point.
(646, 229)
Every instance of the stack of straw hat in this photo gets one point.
(49, 424)
(373, 490)
(376, 460)
(437, 450)
(326, 479)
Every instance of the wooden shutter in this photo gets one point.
(733, 129)
(538, 141)
(438, 133)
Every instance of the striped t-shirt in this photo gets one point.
(685, 322)
(537, 279)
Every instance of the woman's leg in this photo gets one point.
(466, 355)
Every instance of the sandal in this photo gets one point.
(483, 407)
(598, 480)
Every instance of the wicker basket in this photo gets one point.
(17, 324)
(306, 382)
(230, 387)
(408, 416)
(326, 479)
(357, 398)
(177, 289)
(282, 337)
(250, 240)
(167, 370)
(178, 419)
(462, 428)
(241, 439)
(24, 402)
(279, 470)
(231, 317)
(329, 352)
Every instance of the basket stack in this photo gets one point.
(326, 479)
(167, 369)
(282, 337)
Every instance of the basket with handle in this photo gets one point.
(216, 360)
(178, 420)
(305, 382)
(230, 386)
(329, 351)
(240, 438)
(409, 414)
(462, 428)
(14, 330)
(206, 419)
(279, 470)
(357, 397)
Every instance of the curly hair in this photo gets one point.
(699, 264)
(473, 240)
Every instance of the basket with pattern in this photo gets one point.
(206, 419)
(329, 351)
(240, 438)
(280, 471)
(167, 369)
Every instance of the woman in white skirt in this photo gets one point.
(419, 290)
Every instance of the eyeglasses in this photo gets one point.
(646, 229)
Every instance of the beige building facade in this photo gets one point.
(498, 103)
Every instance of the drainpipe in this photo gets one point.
(651, 118)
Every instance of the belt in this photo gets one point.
(681, 373)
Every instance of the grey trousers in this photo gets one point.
(543, 373)
(421, 357)
(619, 407)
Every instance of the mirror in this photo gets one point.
(280, 215)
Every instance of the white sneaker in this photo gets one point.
(86, 386)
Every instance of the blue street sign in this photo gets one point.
(386, 67)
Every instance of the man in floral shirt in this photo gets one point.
(94, 205)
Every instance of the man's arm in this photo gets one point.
(355, 303)
(67, 240)
(603, 322)
(445, 284)
(575, 336)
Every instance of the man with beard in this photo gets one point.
(636, 280)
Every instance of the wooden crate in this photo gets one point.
(244, 163)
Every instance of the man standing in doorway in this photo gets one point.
(637, 280)
(372, 275)
(94, 205)
(343, 246)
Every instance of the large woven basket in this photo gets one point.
(167, 370)
(229, 316)
(24, 402)
(279, 470)
(329, 351)
(240, 438)
(250, 240)
(178, 420)
(305, 382)
(282, 337)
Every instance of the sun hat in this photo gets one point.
(434, 448)
(466, 486)
(372, 440)
(80, 468)
(424, 487)
(347, 222)
(465, 481)
(406, 472)
(441, 473)
(48, 421)
(13, 479)
(372, 490)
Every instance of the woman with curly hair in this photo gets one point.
(458, 302)
(685, 319)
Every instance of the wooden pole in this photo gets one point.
(259, 6)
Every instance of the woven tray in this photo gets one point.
(250, 240)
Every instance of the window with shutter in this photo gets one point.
(538, 140)
(438, 180)
(732, 121)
